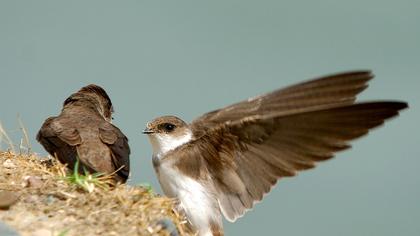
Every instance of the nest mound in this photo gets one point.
(36, 198)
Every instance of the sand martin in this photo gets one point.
(83, 130)
(227, 160)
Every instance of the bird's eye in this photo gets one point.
(168, 127)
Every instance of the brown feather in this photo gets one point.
(291, 145)
(118, 144)
(339, 89)
(81, 133)
(242, 150)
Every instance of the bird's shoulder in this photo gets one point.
(199, 156)
(110, 133)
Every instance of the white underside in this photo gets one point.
(195, 200)
(198, 205)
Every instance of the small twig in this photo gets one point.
(25, 135)
(67, 194)
(9, 141)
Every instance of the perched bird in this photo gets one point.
(83, 131)
(227, 160)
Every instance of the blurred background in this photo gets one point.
(186, 58)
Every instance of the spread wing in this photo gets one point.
(59, 140)
(247, 157)
(118, 143)
(335, 89)
(251, 144)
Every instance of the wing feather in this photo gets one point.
(338, 89)
(59, 141)
(283, 145)
(251, 144)
(118, 143)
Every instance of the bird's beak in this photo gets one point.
(147, 131)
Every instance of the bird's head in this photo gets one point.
(167, 133)
(95, 97)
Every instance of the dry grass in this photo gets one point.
(49, 204)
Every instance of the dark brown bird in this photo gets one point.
(83, 130)
(227, 160)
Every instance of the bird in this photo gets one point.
(84, 131)
(227, 160)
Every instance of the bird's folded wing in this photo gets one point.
(118, 143)
(59, 140)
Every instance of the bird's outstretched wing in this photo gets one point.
(59, 140)
(248, 146)
(339, 89)
(118, 143)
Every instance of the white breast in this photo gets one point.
(199, 204)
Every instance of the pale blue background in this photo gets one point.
(189, 57)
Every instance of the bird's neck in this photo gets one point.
(164, 143)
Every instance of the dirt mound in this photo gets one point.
(39, 197)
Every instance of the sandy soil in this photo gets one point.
(37, 200)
